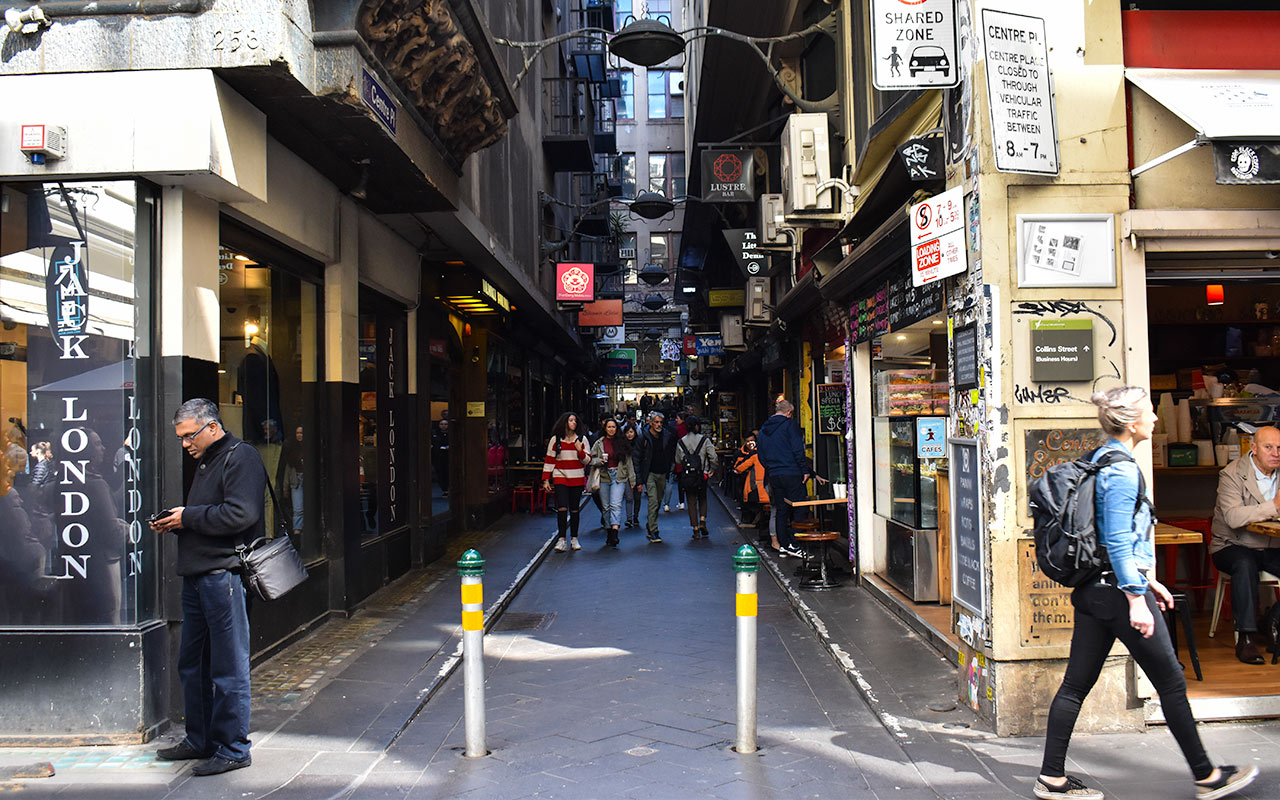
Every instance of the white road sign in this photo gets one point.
(1024, 130)
(937, 237)
(913, 44)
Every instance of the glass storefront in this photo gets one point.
(269, 378)
(383, 370)
(76, 390)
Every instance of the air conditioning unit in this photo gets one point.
(771, 214)
(626, 252)
(806, 164)
(731, 331)
(676, 82)
(759, 309)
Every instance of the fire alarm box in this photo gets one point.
(40, 142)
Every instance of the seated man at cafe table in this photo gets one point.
(1247, 494)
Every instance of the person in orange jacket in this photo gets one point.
(755, 497)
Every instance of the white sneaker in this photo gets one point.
(680, 506)
(561, 546)
(666, 508)
(575, 544)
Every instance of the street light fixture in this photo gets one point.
(652, 274)
(647, 42)
(651, 205)
(653, 302)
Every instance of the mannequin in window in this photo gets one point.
(259, 386)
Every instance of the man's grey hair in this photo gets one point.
(783, 407)
(656, 415)
(199, 409)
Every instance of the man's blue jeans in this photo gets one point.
(785, 487)
(213, 664)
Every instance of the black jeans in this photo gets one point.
(1243, 565)
(696, 504)
(568, 500)
(1102, 616)
(782, 488)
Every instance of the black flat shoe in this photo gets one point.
(218, 765)
(182, 751)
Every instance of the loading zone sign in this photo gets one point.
(913, 44)
(1023, 123)
(938, 247)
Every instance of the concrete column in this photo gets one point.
(189, 274)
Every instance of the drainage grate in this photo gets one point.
(524, 621)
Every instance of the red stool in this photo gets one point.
(527, 492)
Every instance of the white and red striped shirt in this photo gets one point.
(563, 464)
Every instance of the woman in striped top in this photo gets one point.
(564, 467)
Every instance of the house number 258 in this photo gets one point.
(236, 39)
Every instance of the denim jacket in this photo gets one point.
(1126, 535)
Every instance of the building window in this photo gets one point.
(627, 251)
(627, 174)
(666, 93)
(666, 174)
(657, 8)
(626, 104)
(269, 372)
(621, 10)
(77, 388)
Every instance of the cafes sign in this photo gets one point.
(727, 176)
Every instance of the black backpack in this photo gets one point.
(1063, 507)
(691, 476)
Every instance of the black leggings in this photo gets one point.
(1102, 616)
(696, 504)
(568, 499)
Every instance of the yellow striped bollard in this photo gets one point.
(471, 568)
(746, 562)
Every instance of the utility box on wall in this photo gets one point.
(806, 164)
(759, 302)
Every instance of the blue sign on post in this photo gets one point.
(377, 99)
(709, 344)
(931, 437)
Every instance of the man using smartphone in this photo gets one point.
(224, 509)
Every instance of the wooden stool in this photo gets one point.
(811, 578)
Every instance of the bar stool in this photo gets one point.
(812, 577)
(1183, 610)
(527, 492)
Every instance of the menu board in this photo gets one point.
(968, 557)
(831, 408)
(910, 304)
(870, 315)
(965, 357)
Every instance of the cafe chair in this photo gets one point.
(527, 492)
(1264, 579)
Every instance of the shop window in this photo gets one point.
(77, 477)
(497, 432)
(383, 479)
(269, 374)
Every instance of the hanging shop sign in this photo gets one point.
(913, 44)
(964, 357)
(968, 551)
(831, 398)
(618, 367)
(726, 298)
(1246, 162)
(628, 353)
(575, 283)
(742, 241)
(727, 176)
(938, 246)
(600, 313)
(1024, 127)
(1061, 350)
(612, 334)
(67, 298)
(922, 158)
(690, 345)
(709, 344)
(869, 316)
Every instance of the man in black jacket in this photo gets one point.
(656, 453)
(224, 509)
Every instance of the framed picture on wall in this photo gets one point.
(1076, 250)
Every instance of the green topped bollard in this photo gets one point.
(471, 568)
(746, 563)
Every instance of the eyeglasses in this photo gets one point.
(190, 437)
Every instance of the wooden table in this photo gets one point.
(819, 578)
(1167, 535)
(1264, 528)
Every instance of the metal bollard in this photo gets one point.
(471, 568)
(746, 562)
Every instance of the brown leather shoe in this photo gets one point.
(1246, 651)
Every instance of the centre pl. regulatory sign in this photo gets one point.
(1023, 125)
(913, 44)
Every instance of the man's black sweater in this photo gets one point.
(224, 507)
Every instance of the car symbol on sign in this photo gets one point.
(929, 57)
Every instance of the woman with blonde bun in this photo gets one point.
(1124, 603)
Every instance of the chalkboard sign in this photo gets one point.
(968, 554)
(870, 315)
(910, 304)
(831, 408)
(965, 357)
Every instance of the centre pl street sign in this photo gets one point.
(1023, 122)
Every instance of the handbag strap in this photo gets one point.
(275, 502)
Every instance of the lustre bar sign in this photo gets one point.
(575, 283)
(727, 176)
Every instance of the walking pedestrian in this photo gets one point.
(611, 455)
(675, 424)
(224, 509)
(695, 461)
(1124, 603)
(566, 456)
(653, 464)
(631, 497)
(781, 448)
(755, 497)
